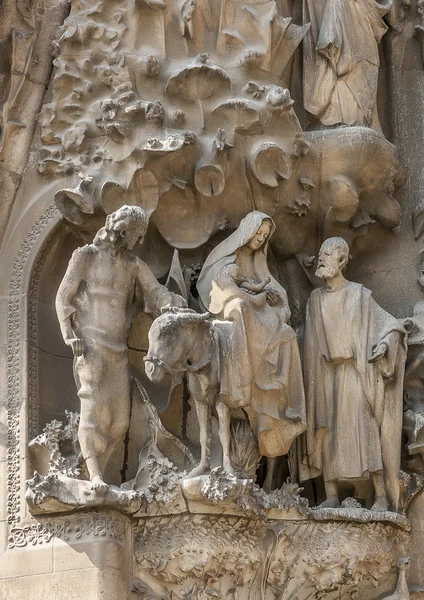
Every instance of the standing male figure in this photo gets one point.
(354, 358)
(95, 305)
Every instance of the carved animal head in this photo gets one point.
(172, 337)
(403, 562)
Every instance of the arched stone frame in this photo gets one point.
(20, 374)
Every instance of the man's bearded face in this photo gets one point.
(328, 264)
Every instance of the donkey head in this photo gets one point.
(171, 338)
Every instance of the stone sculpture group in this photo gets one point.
(214, 163)
(345, 424)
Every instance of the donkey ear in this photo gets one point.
(191, 317)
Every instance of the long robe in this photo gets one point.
(341, 60)
(353, 407)
(260, 367)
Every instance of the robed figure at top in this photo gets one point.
(259, 359)
(354, 360)
(341, 60)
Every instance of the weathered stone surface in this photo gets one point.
(154, 436)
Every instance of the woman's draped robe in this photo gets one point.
(354, 408)
(260, 367)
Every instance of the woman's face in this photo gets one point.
(260, 236)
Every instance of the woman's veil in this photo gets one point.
(225, 254)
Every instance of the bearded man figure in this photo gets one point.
(354, 359)
(95, 303)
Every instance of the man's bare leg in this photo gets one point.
(380, 502)
(332, 493)
(224, 419)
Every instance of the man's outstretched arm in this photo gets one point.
(155, 295)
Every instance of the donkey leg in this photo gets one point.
(224, 418)
(270, 466)
(204, 416)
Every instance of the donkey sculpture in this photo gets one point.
(184, 341)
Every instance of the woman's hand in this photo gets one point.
(272, 296)
(378, 352)
(254, 288)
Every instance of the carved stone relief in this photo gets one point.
(265, 559)
(215, 168)
(352, 343)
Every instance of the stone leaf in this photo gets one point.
(199, 80)
(209, 180)
(142, 191)
(270, 164)
(243, 115)
(75, 203)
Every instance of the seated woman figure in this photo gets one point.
(260, 369)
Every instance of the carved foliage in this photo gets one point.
(14, 372)
(75, 528)
(237, 558)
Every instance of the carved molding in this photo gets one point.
(32, 334)
(85, 527)
(14, 366)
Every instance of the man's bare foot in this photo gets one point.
(98, 485)
(380, 504)
(201, 469)
(331, 502)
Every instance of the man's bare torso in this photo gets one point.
(106, 291)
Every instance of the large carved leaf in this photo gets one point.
(209, 180)
(287, 38)
(241, 114)
(76, 203)
(196, 218)
(270, 164)
(142, 191)
(199, 81)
